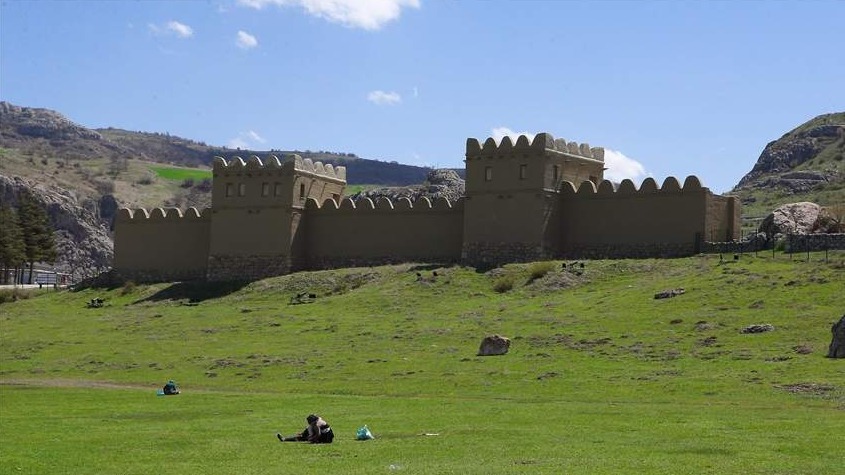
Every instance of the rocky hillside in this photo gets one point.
(83, 175)
(805, 164)
(82, 240)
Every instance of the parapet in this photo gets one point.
(384, 204)
(318, 168)
(126, 215)
(541, 142)
(273, 162)
(627, 187)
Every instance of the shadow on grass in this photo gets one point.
(195, 292)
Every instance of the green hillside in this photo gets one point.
(601, 378)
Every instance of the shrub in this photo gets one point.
(539, 269)
(128, 287)
(12, 295)
(503, 284)
(147, 180)
(187, 183)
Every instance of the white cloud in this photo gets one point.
(620, 167)
(365, 14)
(246, 140)
(498, 133)
(172, 28)
(180, 29)
(384, 98)
(246, 41)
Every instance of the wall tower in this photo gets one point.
(512, 192)
(257, 208)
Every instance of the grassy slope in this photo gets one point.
(598, 380)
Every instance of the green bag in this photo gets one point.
(364, 433)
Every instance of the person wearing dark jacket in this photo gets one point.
(317, 432)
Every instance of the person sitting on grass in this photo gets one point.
(317, 432)
(170, 388)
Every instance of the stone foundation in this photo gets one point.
(489, 254)
(629, 251)
(323, 263)
(221, 268)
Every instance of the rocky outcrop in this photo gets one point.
(782, 156)
(792, 218)
(43, 123)
(83, 243)
(837, 344)
(440, 183)
(494, 345)
(805, 164)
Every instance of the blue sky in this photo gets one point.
(669, 88)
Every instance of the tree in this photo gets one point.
(11, 241)
(39, 243)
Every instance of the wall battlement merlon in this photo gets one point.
(127, 215)
(626, 187)
(383, 203)
(542, 142)
(272, 162)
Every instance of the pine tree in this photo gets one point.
(39, 243)
(11, 241)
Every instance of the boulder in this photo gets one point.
(759, 328)
(837, 344)
(666, 294)
(494, 345)
(792, 218)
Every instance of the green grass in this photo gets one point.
(352, 189)
(600, 379)
(181, 174)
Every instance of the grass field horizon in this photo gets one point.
(601, 378)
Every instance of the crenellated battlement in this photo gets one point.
(127, 215)
(384, 204)
(272, 162)
(541, 143)
(525, 199)
(318, 168)
(627, 187)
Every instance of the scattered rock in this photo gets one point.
(837, 343)
(494, 345)
(758, 328)
(702, 326)
(676, 321)
(806, 388)
(669, 293)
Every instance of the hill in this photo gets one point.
(805, 164)
(43, 133)
(601, 378)
(94, 172)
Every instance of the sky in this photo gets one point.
(667, 88)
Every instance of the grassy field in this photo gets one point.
(181, 174)
(601, 378)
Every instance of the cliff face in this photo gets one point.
(82, 241)
(805, 164)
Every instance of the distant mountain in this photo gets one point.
(805, 164)
(43, 132)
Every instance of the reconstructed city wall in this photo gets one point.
(670, 220)
(367, 233)
(162, 244)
